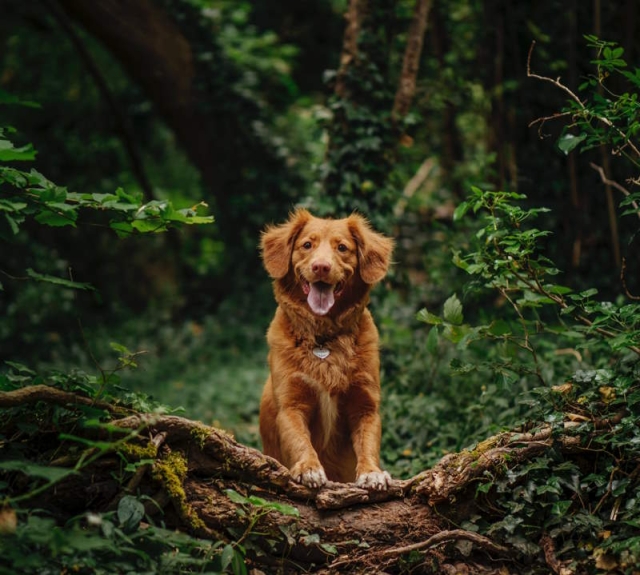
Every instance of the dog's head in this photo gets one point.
(324, 258)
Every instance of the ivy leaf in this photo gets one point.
(130, 513)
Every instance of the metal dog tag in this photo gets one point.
(321, 352)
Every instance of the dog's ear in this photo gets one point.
(277, 243)
(374, 249)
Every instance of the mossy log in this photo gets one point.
(189, 472)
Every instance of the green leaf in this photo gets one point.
(12, 224)
(460, 211)
(58, 281)
(283, 508)
(329, 548)
(19, 367)
(226, 557)
(499, 328)
(9, 153)
(49, 473)
(238, 565)
(120, 348)
(427, 317)
(123, 229)
(569, 142)
(130, 513)
(311, 539)
(432, 341)
(8, 98)
(58, 218)
(150, 225)
(453, 310)
(236, 497)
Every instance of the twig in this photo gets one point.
(556, 82)
(615, 185)
(623, 269)
(453, 535)
(575, 98)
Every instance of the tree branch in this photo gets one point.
(36, 393)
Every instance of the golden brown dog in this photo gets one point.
(319, 413)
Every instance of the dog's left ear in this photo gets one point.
(374, 249)
(277, 243)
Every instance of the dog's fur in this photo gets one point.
(320, 416)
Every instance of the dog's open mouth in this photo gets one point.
(321, 296)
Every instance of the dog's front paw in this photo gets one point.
(309, 475)
(377, 480)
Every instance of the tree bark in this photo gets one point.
(411, 62)
(353, 17)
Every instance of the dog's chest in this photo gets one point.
(330, 364)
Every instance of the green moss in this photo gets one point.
(171, 471)
(138, 452)
(200, 433)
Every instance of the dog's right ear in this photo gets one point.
(277, 243)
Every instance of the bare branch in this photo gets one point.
(558, 84)
(615, 185)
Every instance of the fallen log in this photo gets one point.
(199, 479)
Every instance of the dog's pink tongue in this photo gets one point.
(320, 298)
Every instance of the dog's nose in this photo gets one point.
(321, 268)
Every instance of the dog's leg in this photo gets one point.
(366, 430)
(268, 431)
(297, 404)
(297, 450)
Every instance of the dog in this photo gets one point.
(319, 412)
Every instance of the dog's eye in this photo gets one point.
(306, 245)
(342, 248)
